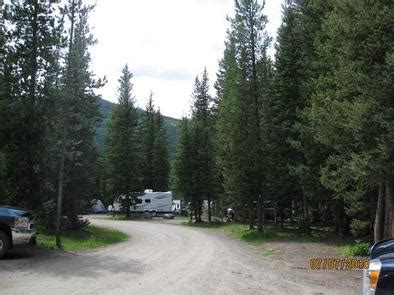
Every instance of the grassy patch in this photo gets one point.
(269, 252)
(206, 224)
(270, 233)
(273, 233)
(358, 248)
(242, 232)
(86, 238)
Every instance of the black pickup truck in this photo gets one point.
(379, 278)
(16, 228)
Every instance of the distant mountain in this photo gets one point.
(106, 107)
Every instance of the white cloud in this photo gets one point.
(165, 43)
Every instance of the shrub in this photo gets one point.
(46, 216)
(359, 248)
(359, 228)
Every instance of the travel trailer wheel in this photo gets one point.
(153, 213)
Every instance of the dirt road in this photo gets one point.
(162, 258)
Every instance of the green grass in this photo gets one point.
(269, 252)
(274, 233)
(270, 233)
(87, 238)
(205, 224)
(358, 248)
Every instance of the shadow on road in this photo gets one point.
(66, 265)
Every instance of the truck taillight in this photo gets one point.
(371, 276)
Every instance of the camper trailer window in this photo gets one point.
(147, 200)
(138, 201)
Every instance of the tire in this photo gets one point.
(33, 241)
(153, 213)
(5, 243)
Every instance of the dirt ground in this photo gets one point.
(295, 257)
(162, 257)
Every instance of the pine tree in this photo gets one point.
(122, 147)
(227, 127)
(160, 161)
(3, 103)
(183, 164)
(352, 110)
(281, 114)
(78, 107)
(203, 132)
(148, 140)
(249, 41)
(29, 56)
(296, 71)
(154, 149)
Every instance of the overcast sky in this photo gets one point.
(165, 43)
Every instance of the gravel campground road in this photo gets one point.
(162, 258)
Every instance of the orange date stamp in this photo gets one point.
(338, 264)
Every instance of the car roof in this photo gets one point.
(14, 210)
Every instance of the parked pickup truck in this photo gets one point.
(16, 228)
(379, 278)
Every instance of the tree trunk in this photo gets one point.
(379, 216)
(60, 191)
(305, 207)
(209, 210)
(2, 31)
(388, 212)
(128, 203)
(260, 213)
(275, 216)
(389, 192)
(281, 218)
(64, 137)
(34, 182)
(251, 217)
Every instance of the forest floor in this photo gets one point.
(165, 257)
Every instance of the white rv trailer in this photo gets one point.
(152, 202)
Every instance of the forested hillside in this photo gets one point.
(171, 126)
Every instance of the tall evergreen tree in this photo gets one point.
(352, 109)
(183, 164)
(281, 113)
(203, 128)
(29, 55)
(79, 114)
(160, 161)
(229, 142)
(148, 141)
(122, 148)
(250, 42)
(154, 149)
(3, 102)
(296, 56)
